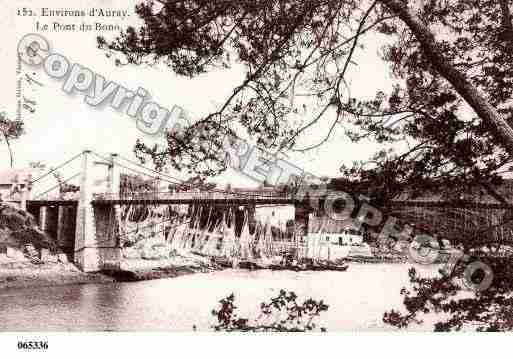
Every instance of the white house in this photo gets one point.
(331, 239)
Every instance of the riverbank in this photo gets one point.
(25, 274)
(28, 275)
(18, 275)
(134, 270)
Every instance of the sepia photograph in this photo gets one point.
(254, 166)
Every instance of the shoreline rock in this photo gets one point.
(124, 275)
(28, 275)
(20, 275)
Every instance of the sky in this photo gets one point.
(64, 125)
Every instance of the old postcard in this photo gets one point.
(255, 166)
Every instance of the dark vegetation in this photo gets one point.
(283, 313)
(10, 130)
(450, 107)
(19, 228)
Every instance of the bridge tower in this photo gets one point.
(96, 245)
(110, 252)
(86, 251)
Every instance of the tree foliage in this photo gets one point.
(11, 130)
(297, 54)
(282, 313)
(445, 126)
(458, 308)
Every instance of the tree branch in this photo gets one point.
(461, 84)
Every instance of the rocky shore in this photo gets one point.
(25, 274)
(132, 270)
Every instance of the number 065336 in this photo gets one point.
(32, 345)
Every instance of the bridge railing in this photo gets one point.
(191, 196)
(56, 197)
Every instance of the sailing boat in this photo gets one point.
(262, 247)
(221, 247)
(321, 251)
(229, 250)
(211, 245)
(202, 235)
(245, 240)
(194, 230)
(178, 241)
(248, 246)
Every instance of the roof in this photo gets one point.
(328, 225)
(15, 175)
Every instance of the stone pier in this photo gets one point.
(96, 240)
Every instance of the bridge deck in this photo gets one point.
(177, 198)
(188, 198)
(240, 199)
(235, 201)
(49, 203)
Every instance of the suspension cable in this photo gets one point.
(56, 186)
(149, 169)
(136, 171)
(58, 167)
(175, 183)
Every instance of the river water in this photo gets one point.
(357, 300)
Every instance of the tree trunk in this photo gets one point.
(10, 149)
(507, 26)
(466, 90)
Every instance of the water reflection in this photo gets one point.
(357, 300)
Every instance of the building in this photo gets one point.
(15, 185)
(332, 239)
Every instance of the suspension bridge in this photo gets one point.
(84, 211)
(92, 212)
